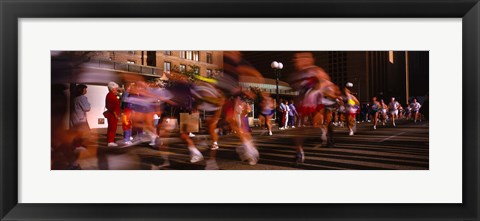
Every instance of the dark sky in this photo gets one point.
(262, 60)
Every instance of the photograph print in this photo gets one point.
(239, 110)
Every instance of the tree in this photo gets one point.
(190, 72)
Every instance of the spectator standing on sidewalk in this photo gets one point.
(78, 117)
(112, 104)
(285, 114)
(292, 113)
(281, 117)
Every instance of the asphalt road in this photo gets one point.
(404, 147)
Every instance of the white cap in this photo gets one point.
(349, 84)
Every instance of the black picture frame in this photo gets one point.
(11, 11)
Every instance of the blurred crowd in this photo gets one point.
(144, 110)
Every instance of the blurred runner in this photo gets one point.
(331, 99)
(228, 83)
(311, 81)
(393, 107)
(415, 108)
(267, 110)
(374, 111)
(351, 106)
(383, 112)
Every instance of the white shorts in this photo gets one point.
(395, 112)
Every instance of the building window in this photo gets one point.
(166, 66)
(196, 55)
(209, 58)
(183, 68)
(390, 56)
(196, 70)
(190, 55)
(209, 72)
(131, 52)
(169, 53)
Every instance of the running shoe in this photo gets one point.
(80, 148)
(195, 155)
(300, 158)
(249, 154)
(194, 158)
(324, 135)
(252, 161)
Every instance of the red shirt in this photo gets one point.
(112, 103)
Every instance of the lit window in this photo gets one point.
(183, 68)
(209, 73)
(197, 70)
(166, 66)
(167, 53)
(190, 55)
(130, 62)
(390, 56)
(196, 55)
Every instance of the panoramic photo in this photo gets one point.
(239, 110)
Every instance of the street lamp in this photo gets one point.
(277, 66)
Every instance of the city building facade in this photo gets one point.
(208, 62)
(385, 74)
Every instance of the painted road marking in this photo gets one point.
(390, 137)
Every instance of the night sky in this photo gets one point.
(261, 60)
